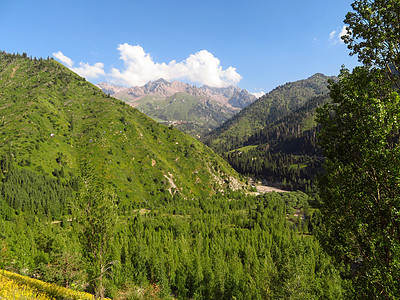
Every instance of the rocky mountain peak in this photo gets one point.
(230, 97)
(162, 80)
(110, 88)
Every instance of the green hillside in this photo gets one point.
(52, 120)
(268, 109)
(199, 116)
(191, 114)
(275, 137)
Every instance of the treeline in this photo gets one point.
(290, 172)
(12, 56)
(244, 249)
(216, 247)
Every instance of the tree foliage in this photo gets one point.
(284, 153)
(215, 247)
(184, 239)
(373, 33)
(360, 189)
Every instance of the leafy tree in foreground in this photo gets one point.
(95, 213)
(373, 33)
(360, 189)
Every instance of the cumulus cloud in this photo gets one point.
(88, 71)
(139, 68)
(85, 70)
(64, 59)
(202, 67)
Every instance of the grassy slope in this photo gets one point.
(39, 99)
(183, 106)
(204, 115)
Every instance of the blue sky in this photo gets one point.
(256, 45)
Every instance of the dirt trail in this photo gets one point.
(267, 189)
(13, 71)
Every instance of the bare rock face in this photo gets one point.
(242, 99)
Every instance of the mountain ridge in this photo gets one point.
(209, 107)
(166, 88)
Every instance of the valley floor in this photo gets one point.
(262, 188)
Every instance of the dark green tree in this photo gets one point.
(360, 189)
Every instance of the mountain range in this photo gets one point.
(193, 110)
(52, 120)
(267, 109)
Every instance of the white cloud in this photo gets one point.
(84, 69)
(64, 59)
(139, 68)
(201, 67)
(332, 34)
(88, 71)
(259, 94)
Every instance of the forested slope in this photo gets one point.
(268, 109)
(285, 153)
(220, 247)
(276, 136)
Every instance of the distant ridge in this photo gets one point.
(110, 89)
(198, 110)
